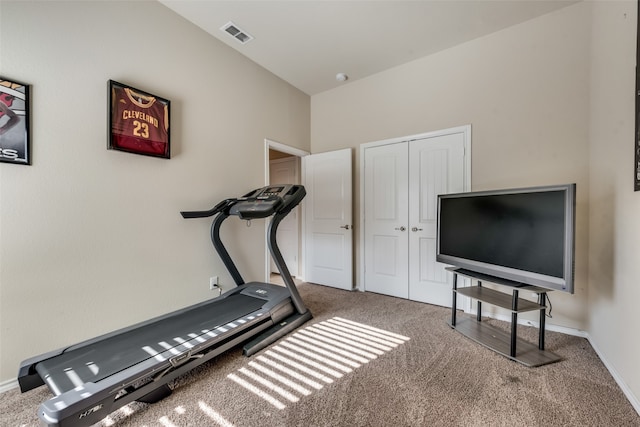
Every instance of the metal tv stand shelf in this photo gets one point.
(505, 343)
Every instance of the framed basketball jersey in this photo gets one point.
(138, 121)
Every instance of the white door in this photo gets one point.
(386, 220)
(328, 219)
(436, 166)
(285, 171)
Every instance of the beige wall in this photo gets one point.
(614, 226)
(525, 92)
(91, 239)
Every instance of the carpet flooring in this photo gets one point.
(371, 360)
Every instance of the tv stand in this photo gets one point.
(505, 343)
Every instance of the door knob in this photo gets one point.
(401, 228)
(346, 227)
(414, 229)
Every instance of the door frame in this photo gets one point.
(270, 144)
(465, 129)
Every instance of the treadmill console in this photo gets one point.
(271, 191)
(266, 201)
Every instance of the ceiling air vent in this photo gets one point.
(235, 32)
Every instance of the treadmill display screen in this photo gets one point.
(273, 190)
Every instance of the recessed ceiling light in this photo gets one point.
(234, 31)
(342, 77)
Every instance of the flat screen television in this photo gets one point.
(525, 235)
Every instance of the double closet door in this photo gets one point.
(402, 180)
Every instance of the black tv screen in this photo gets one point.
(525, 235)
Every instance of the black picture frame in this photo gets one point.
(139, 122)
(636, 143)
(15, 119)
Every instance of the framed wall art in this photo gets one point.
(138, 121)
(14, 122)
(636, 165)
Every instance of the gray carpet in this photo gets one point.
(372, 360)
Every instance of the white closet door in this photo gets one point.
(386, 216)
(436, 166)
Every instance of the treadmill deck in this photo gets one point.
(170, 336)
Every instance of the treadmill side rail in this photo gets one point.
(276, 332)
(84, 405)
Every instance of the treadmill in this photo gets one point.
(91, 379)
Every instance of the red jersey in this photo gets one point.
(140, 123)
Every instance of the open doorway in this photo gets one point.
(283, 166)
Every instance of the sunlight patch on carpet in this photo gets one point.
(312, 356)
(166, 422)
(124, 412)
(257, 391)
(211, 413)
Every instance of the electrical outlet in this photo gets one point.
(213, 282)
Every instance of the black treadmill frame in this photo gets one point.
(148, 380)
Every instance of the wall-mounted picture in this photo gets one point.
(14, 122)
(636, 165)
(138, 121)
(636, 172)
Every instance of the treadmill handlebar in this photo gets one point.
(260, 203)
(204, 214)
(292, 199)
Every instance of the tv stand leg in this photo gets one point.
(453, 303)
(479, 306)
(542, 300)
(514, 322)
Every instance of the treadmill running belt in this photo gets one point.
(96, 361)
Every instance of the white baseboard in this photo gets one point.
(547, 326)
(625, 389)
(8, 385)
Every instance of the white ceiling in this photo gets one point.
(307, 42)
